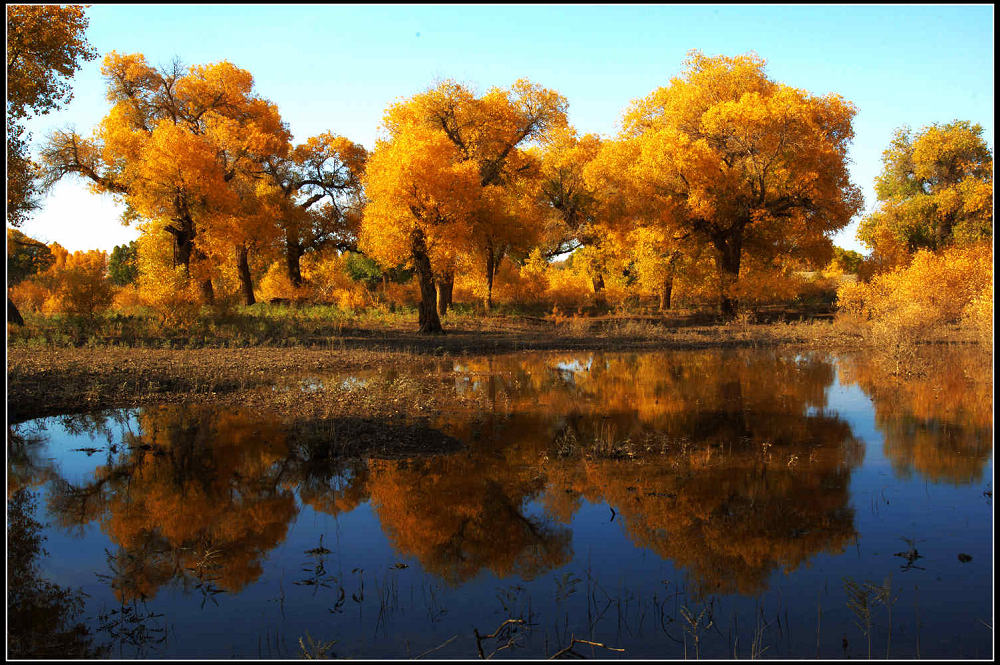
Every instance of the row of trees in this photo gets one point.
(720, 166)
(724, 178)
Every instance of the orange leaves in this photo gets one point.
(418, 179)
(452, 174)
(728, 158)
(45, 46)
(74, 283)
(935, 190)
(906, 304)
(186, 148)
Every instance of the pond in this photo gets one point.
(713, 504)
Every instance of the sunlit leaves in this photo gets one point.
(935, 190)
(744, 163)
(45, 47)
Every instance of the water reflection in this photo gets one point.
(724, 463)
(465, 513)
(730, 465)
(194, 496)
(43, 618)
(938, 422)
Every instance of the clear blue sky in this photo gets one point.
(336, 68)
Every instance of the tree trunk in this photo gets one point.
(490, 271)
(445, 287)
(427, 311)
(293, 253)
(598, 282)
(246, 280)
(730, 252)
(183, 248)
(185, 252)
(665, 292)
(13, 316)
(207, 292)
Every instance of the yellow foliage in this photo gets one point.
(765, 284)
(127, 298)
(75, 283)
(417, 182)
(567, 289)
(163, 286)
(327, 276)
(402, 294)
(978, 315)
(732, 160)
(29, 295)
(276, 284)
(907, 304)
(935, 190)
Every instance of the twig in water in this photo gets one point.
(315, 650)
(440, 646)
(568, 652)
(506, 629)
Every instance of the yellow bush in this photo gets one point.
(126, 298)
(329, 281)
(29, 295)
(909, 303)
(75, 283)
(567, 289)
(276, 284)
(165, 287)
(978, 315)
(760, 285)
(402, 294)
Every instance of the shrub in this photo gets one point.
(978, 315)
(75, 284)
(276, 284)
(908, 304)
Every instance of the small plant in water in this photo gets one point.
(695, 626)
(859, 601)
(313, 650)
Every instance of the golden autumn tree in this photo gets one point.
(178, 147)
(489, 132)
(745, 164)
(935, 190)
(45, 47)
(71, 283)
(317, 197)
(421, 196)
(578, 215)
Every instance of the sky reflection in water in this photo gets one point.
(716, 501)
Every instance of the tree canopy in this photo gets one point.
(45, 47)
(935, 190)
(746, 164)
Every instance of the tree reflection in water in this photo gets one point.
(196, 495)
(724, 463)
(937, 422)
(728, 463)
(43, 619)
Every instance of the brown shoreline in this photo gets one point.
(57, 380)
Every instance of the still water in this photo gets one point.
(665, 505)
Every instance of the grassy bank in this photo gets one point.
(331, 327)
(218, 362)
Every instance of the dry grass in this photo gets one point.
(51, 379)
